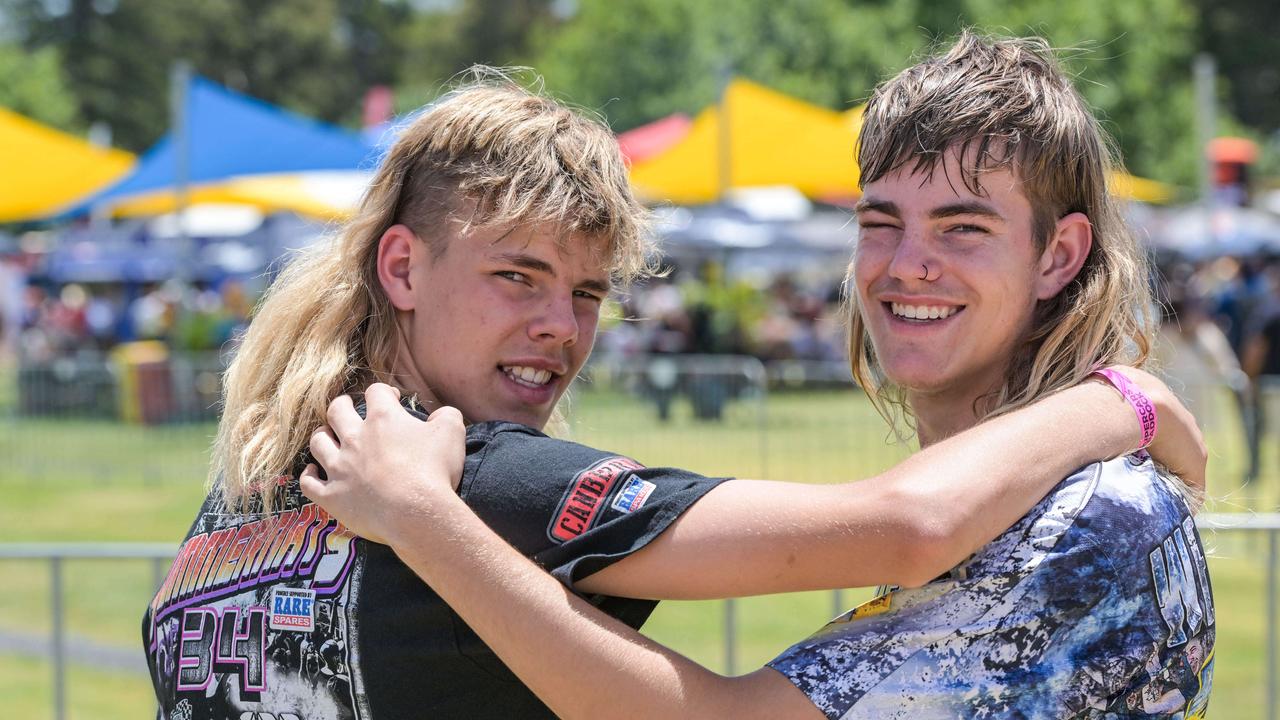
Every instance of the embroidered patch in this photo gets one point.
(586, 495)
(632, 495)
(293, 609)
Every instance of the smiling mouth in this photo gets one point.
(923, 313)
(527, 376)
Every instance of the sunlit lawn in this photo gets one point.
(102, 481)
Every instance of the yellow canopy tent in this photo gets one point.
(43, 169)
(1132, 187)
(320, 195)
(775, 139)
(772, 139)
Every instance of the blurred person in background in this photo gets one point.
(993, 269)
(1194, 349)
(1261, 362)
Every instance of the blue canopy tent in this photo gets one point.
(227, 135)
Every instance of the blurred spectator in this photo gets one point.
(1261, 362)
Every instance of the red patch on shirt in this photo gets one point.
(586, 497)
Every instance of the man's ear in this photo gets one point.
(1064, 254)
(398, 251)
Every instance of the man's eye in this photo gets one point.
(513, 276)
(967, 229)
(588, 295)
(871, 225)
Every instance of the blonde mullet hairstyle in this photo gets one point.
(1007, 104)
(489, 153)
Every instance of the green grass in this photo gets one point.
(26, 687)
(86, 481)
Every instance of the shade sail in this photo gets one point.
(775, 139)
(43, 169)
(772, 139)
(233, 135)
(1131, 187)
(322, 195)
(641, 143)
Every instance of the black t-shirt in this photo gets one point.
(291, 614)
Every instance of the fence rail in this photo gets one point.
(57, 553)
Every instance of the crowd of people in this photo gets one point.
(1226, 308)
(77, 319)
(697, 312)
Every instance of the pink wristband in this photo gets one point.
(1138, 400)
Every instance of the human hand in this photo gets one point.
(1179, 444)
(383, 470)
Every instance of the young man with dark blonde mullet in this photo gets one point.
(992, 274)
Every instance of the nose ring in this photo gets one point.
(924, 267)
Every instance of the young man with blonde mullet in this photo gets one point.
(473, 276)
(992, 271)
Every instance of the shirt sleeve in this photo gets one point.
(573, 509)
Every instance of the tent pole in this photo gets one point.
(100, 137)
(1203, 72)
(179, 82)
(724, 169)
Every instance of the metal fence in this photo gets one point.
(138, 419)
(56, 554)
(96, 423)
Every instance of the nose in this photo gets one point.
(913, 258)
(556, 321)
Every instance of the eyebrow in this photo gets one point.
(529, 262)
(968, 207)
(880, 206)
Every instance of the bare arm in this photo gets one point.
(905, 526)
(549, 637)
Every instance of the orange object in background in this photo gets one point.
(1231, 158)
(1233, 150)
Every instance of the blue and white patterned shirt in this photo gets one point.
(1095, 604)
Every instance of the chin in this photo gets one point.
(531, 419)
(921, 375)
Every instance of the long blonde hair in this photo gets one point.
(1007, 103)
(491, 150)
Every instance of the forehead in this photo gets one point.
(546, 242)
(919, 183)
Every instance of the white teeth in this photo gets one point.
(527, 375)
(924, 312)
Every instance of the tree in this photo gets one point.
(643, 59)
(1241, 35)
(316, 57)
(439, 44)
(1132, 62)
(31, 84)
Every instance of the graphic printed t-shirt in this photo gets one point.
(290, 616)
(1096, 604)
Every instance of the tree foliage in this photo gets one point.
(31, 84)
(647, 58)
(314, 56)
(635, 61)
